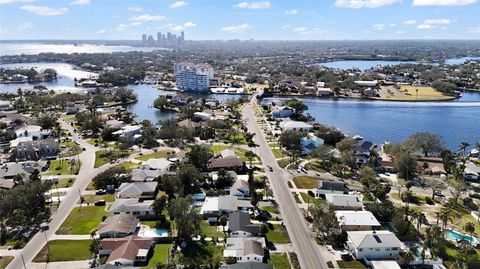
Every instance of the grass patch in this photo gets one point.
(93, 198)
(64, 183)
(284, 162)
(82, 220)
(210, 230)
(155, 155)
(410, 94)
(306, 182)
(65, 250)
(278, 153)
(278, 235)
(197, 254)
(90, 186)
(279, 261)
(307, 198)
(63, 167)
(271, 209)
(4, 261)
(315, 166)
(350, 264)
(160, 256)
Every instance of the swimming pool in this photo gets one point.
(454, 236)
(152, 232)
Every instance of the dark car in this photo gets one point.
(311, 193)
(270, 168)
(474, 195)
(100, 203)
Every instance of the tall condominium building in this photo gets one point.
(193, 77)
(144, 38)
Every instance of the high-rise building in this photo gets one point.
(193, 77)
(159, 38)
(183, 36)
(144, 38)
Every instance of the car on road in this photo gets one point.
(270, 169)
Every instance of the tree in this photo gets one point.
(250, 156)
(224, 179)
(93, 247)
(149, 135)
(112, 176)
(159, 205)
(186, 219)
(436, 186)
(47, 121)
(325, 222)
(458, 187)
(189, 177)
(223, 221)
(382, 211)
(469, 228)
(434, 240)
(346, 144)
(199, 156)
(463, 147)
(420, 218)
(161, 103)
(290, 140)
(324, 153)
(405, 164)
(426, 142)
(296, 104)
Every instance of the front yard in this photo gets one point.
(279, 261)
(306, 182)
(65, 250)
(278, 235)
(4, 261)
(63, 167)
(155, 155)
(82, 220)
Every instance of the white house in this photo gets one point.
(356, 220)
(282, 112)
(160, 164)
(226, 204)
(33, 131)
(324, 91)
(128, 131)
(245, 249)
(132, 206)
(373, 245)
(472, 171)
(295, 126)
(240, 189)
(310, 142)
(344, 201)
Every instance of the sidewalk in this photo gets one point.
(60, 265)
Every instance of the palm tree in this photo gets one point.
(446, 215)
(420, 218)
(433, 240)
(469, 228)
(463, 147)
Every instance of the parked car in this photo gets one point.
(100, 203)
(100, 192)
(346, 256)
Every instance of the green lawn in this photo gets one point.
(271, 209)
(71, 148)
(156, 155)
(210, 231)
(63, 167)
(305, 182)
(100, 158)
(64, 183)
(197, 254)
(93, 198)
(279, 261)
(277, 153)
(307, 198)
(350, 264)
(82, 220)
(284, 162)
(278, 235)
(160, 256)
(315, 166)
(4, 261)
(65, 250)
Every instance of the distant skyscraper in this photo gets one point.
(183, 36)
(144, 38)
(159, 38)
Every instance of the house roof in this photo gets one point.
(295, 124)
(227, 153)
(118, 223)
(123, 205)
(224, 203)
(6, 184)
(126, 247)
(364, 146)
(145, 174)
(158, 163)
(332, 186)
(238, 243)
(344, 200)
(240, 221)
(363, 218)
(373, 239)
(214, 175)
(471, 168)
(188, 123)
(252, 247)
(247, 265)
(239, 185)
(136, 188)
(231, 161)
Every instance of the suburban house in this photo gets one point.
(239, 225)
(240, 189)
(430, 166)
(129, 131)
(472, 171)
(32, 131)
(72, 108)
(36, 150)
(310, 142)
(222, 205)
(282, 112)
(117, 226)
(137, 190)
(133, 207)
(143, 175)
(344, 201)
(362, 151)
(335, 187)
(231, 162)
(324, 91)
(190, 124)
(245, 249)
(295, 126)
(356, 220)
(214, 175)
(373, 245)
(9, 170)
(247, 265)
(5, 105)
(126, 251)
(160, 164)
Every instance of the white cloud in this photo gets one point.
(307, 30)
(14, 1)
(44, 10)
(291, 12)
(392, 25)
(80, 2)
(148, 18)
(179, 4)
(135, 9)
(178, 27)
(438, 22)
(379, 26)
(364, 3)
(254, 5)
(424, 26)
(400, 32)
(24, 26)
(410, 22)
(102, 31)
(237, 28)
(285, 27)
(443, 2)
(474, 29)
(121, 27)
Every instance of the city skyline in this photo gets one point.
(260, 20)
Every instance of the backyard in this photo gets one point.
(160, 256)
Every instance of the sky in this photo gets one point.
(230, 19)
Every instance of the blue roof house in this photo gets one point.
(310, 142)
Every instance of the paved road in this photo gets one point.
(85, 175)
(303, 242)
